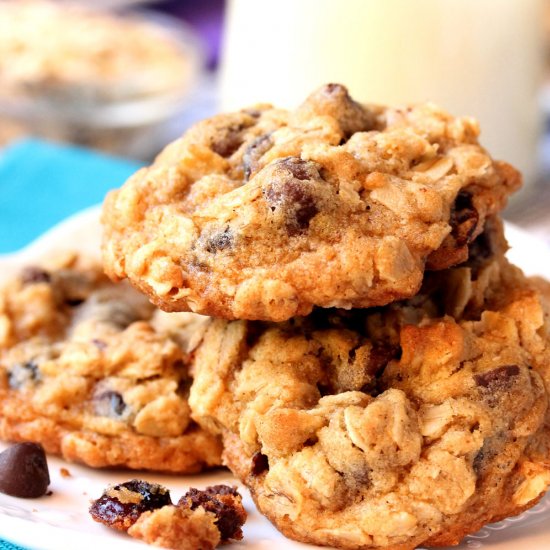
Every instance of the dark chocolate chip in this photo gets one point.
(22, 374)
(254, 153)
(260, 464)
(110, 403)
(496, 377)
(24, 471)
(34, 275)
(113, 509)
(220, 241)
(229, 518)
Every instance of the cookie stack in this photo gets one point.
(376, 368)
(377, 371)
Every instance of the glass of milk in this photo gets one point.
(473, 57)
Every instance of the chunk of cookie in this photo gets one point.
(264, 214)
(201, 520)
(392, 427)
(94, 373)
(121, 506)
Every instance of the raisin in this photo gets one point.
(24, 471)
(34, 275)
(464, 219)
(260, 464)
(23, 373)
(291, 192)
(224, 502)
(120, 506)
(228, 142)
(334, 100)
(496, 377)
(254, 153)
(111, 404)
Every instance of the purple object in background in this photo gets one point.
(205, 16)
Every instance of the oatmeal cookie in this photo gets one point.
(392, 427)
(96, 374)
(264, 214)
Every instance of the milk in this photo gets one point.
(473, 57)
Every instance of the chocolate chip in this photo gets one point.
(260, 464)
(22, 374)
(120, 506)
(228, 142)
(220, 241)
(111, 404)
(24, 471)
(496, 377)
(224, 502)
(34, 275)
(290, 191)
(254, 153)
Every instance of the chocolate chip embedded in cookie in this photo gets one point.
(93, 372)
(264, 214)
(393, 427)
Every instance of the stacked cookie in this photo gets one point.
(377, 370)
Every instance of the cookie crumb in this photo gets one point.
(65, 473)
(120, 506)
(201, 519)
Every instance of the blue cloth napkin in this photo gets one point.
(42, 183)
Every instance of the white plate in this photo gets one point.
(61, 521)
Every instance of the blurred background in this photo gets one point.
(125, 77)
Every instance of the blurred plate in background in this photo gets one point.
(114, 82)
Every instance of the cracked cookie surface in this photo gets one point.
(392, 427)
(96, 374)
(264, 214)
